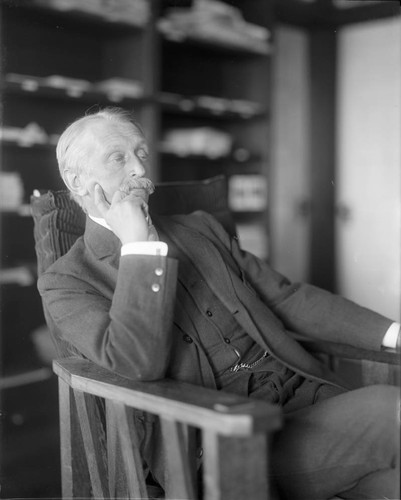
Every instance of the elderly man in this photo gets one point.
(177, 297)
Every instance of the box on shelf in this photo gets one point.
(247, 193)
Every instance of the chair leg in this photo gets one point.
(125, 464)
(235, 468)
(74, 468)
(94, 445)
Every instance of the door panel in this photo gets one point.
(368, 180)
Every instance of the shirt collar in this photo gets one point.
(100, 221)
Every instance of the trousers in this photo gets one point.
(343, 444)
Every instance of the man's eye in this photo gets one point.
(142, 154)
(118, 158)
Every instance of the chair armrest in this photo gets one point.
(346, 351)
(208, 409)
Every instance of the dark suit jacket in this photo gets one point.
(108, 308)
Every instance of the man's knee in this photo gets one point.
(382, 400)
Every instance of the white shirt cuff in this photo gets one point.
(390, 337)
(145, 248)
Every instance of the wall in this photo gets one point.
(368, 179)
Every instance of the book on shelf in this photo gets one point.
(30, 135)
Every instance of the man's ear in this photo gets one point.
(75, 182)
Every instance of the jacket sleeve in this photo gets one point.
(304, 308)
(128, 331)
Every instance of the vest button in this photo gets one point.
(159, 271)
(209, 313)
(187, 339)
(155, 287)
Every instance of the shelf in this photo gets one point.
(76, 16)
(239, 157)
(26, 378)
(224, 109)
(25, 145)
(21, 211)
(33, 89)
(218, 45)
(326, 15)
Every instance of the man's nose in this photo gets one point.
(135, 168)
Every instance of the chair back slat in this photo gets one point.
(117, 479)
(129, 445)
(179, 478)
(94, 448)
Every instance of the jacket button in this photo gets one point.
(158, 271)
(199, 452)
(188, 339)
(227, 340)
(155, 287)
(209, 313)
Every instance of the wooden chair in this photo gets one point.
(229, 434)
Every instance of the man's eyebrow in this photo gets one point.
(142, 143)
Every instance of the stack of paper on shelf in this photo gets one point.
(120, 88)
(11, 190)
(344, 4)
(205, 141)
(25, 137)
(135, 12)
(214, 21)
(73, 86)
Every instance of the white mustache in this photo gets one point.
(137, 183)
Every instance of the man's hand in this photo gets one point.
(126, 215)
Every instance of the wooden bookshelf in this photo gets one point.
(215, 83)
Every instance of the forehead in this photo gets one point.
(105, 132)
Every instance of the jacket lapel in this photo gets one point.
(204, 256)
